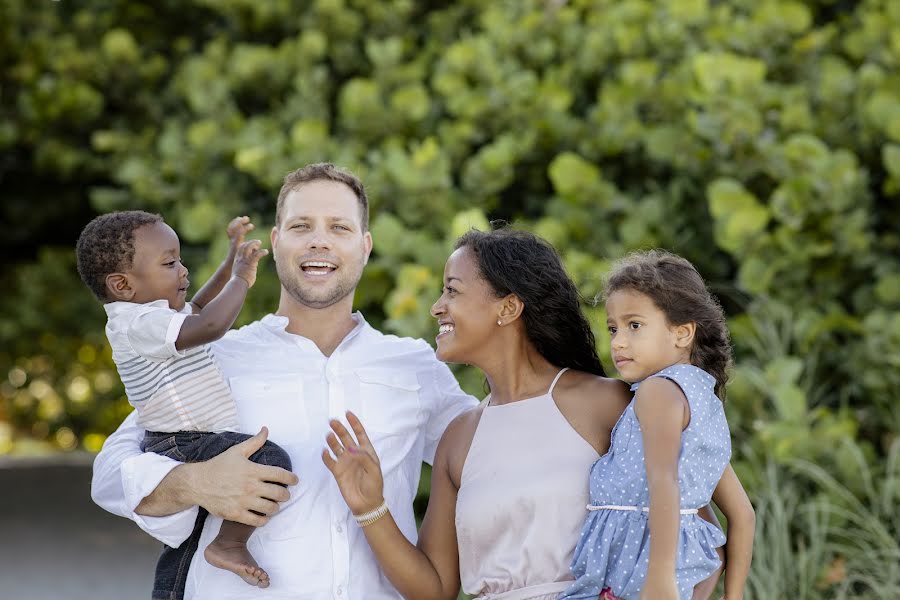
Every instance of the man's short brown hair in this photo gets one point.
(326, 172)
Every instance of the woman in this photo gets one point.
(509, 483)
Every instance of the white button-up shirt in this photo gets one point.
(312, 548)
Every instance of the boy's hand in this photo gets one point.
(238, 229)
(246, 259)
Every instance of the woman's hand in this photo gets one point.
(355, 466)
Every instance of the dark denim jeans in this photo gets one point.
(188, 447)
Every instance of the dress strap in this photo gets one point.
(555, 379)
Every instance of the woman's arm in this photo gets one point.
(732, 500)
(661, 409)
(429, 571)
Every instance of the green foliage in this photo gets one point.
(761, 140)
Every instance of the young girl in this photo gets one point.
(670, 449)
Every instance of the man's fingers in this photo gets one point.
(249, 446)
(264, 506)
(274, 475)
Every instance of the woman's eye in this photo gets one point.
(634, 325)
(612, 330)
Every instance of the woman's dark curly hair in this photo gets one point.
(678, 290)
(106, 245)
(521, 263)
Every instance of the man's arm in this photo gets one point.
(123, 475)
(161, 495)
(228, 485)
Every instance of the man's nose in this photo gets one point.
(319, 240)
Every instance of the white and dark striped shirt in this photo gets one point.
(170, 390)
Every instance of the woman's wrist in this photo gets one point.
(370, 516)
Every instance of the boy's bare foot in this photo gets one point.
(233, 556)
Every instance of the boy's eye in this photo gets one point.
(171, 263)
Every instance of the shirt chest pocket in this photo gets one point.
(388, 400)
(274, 402)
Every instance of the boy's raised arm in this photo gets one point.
(237, 230)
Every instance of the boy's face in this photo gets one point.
(156, 272)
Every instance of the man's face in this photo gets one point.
(320, 247)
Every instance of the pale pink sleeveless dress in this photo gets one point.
(522, 501)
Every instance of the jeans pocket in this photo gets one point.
(164, 446)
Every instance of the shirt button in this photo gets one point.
(338, 528)
(339, 591)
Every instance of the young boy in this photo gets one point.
(131, 261)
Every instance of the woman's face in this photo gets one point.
(467, 311)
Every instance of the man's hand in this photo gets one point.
(234, 488)
(246, 259)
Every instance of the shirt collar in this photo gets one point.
(117, 308)
(278, 324)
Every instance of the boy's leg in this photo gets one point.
(229, 549)
(171, 569)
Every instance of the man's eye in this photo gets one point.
(342, 227)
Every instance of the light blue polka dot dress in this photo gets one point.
(614, 548)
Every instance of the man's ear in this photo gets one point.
(367, 241)
(118, 287)
(273, 237)
(684, 334)
(511, 308)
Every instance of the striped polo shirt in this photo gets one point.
(170, 390)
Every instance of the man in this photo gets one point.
(290, 372)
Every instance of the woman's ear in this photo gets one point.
(511, 308)
(684, 334)
(118, 287)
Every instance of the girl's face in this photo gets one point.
(643, 341)
(467, 311)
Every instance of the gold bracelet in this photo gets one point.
(370, 517)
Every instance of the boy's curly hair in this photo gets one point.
(679, 291)
(106, 245)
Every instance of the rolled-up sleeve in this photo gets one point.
(448, 401)
(123, 476)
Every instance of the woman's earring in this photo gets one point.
(499, 322)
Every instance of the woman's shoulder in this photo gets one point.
(457, 440)
(603, 398)
(594, 388)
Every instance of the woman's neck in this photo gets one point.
(519, 373)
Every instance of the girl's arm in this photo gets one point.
(424, 572)
(237, 229)
(732, 500)
(663, 412)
